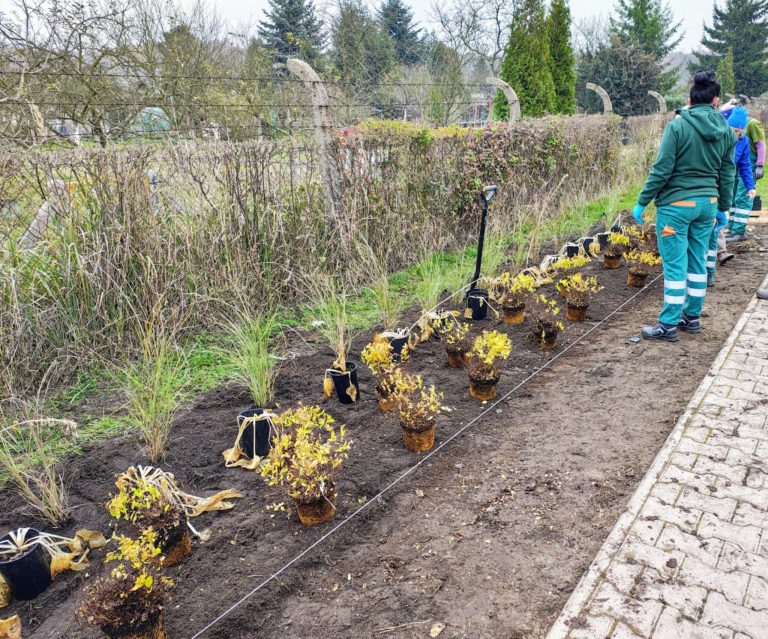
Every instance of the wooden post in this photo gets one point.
(660, 99)
(607, 106)
(512, 99)
(329, 169)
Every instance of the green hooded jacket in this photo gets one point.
(695, 160)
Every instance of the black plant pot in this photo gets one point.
(616, 228)
(602, 238)
(256, 440)
(28, 575)
(477, 301)
(397, 341)
(342, 382)
(571, 250)
(757, 203)
(586, 243)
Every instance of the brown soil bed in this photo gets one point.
(488, 537)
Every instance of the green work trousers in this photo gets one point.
(684, 231)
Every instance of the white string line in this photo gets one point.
(429, 455)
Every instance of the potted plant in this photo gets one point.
(389, 307)
(150, 497)
(129, 602)
(256, 368)
(145, 506)
(330, 318)
(546, 326)
(578, 292)
(455, 337)
(639, 266)
(378, 356)
(511, 292)
(618, 244)
(569, 264)
(305, 459)
(489, 349)
(418, 406)
(24, 563)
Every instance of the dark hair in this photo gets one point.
(705, 87)
(743, 101)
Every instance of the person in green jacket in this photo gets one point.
(692, 184)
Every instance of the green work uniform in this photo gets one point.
(692, 177)
(742, 207)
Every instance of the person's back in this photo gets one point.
(692, 152)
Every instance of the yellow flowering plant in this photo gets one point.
(378, 357)
(578, 290)
(511, 291)
(144, 504)
(455, 337)
(618, 244)
(417, 404)
(567, 264)
(136, 589)
(307, 454)
(489, 349)
(544, 313)
(641, 262)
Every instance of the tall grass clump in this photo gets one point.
(250, 357)
(155, 386)
(328, 310)
(28, 459)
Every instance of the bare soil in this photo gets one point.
(488, 537)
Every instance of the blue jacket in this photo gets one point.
(741, 158)
(743, 163)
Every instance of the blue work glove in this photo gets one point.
(637, 213)
(721, 221)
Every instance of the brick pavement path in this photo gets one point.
(688, 559)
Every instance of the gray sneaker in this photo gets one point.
(660, 332)
(735, 238)
(762, 293)
(689, 324)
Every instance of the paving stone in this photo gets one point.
(716, 453)
(685, 461)
(757, 594)
(665, 562)
(734, 558)
(706, 550)
(589, 627)
(741, 441)
(624, 576)
(745, 537)
(640, 616)
(672, 625)
(748, 515)
(683, 597)
(647, 532)
(685, 520)
(720, 506)
(719, 612)
(623, 631)
(666, 493)
(696, 573)
(734, 472)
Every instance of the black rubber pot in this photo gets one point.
(29, 574)
(256, 440)
(397, 342)
(477, 301)
(616, 228)
(602, 238)
(342, 382)
(586, 243)
(757, 203)
(571, 250)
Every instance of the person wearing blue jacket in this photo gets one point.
(744, 191)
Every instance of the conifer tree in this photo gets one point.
(396, 18)
(561, 52)
(725, 74)
(292, 28)
(647, 24)
(739, 26)
(527, 64)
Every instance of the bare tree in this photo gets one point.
(475, 29)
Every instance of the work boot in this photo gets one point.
(689, 324)
(710, 280)
(724, 257)
(762, 293)
(735, 238)
(661, 332)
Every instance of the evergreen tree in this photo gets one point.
(725, 74)
(292, 28)
(625, 71)
(740, 26)
(647, 24)
(561, 52)
(396, 18)
(527, 64)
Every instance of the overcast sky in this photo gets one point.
(692, 12)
